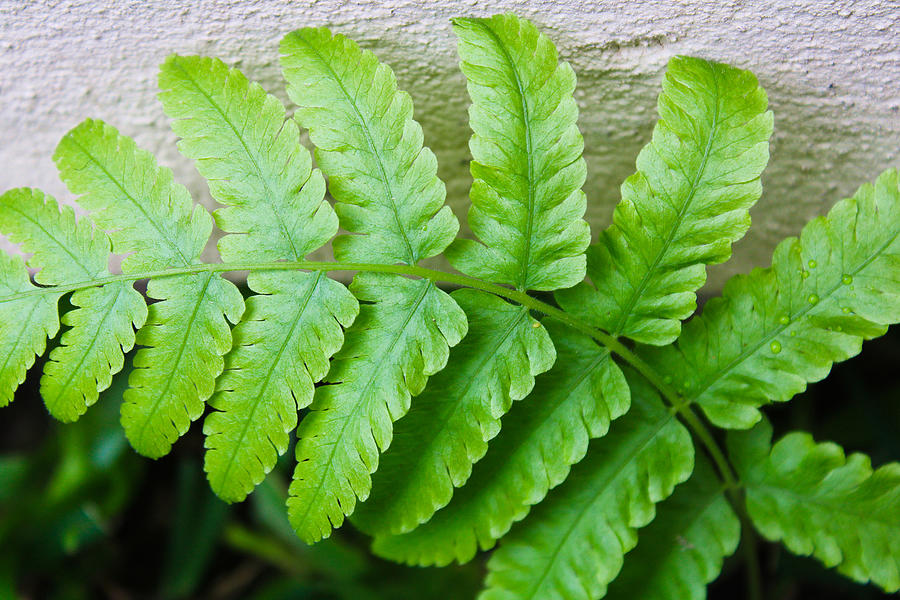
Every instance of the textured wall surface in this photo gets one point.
(832, 71)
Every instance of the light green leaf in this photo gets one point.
(64, 251)
(541, 438)
(822, 503)
(683, 208)
(450, 423)
(102, 327)
(186, 336)
(773, 330)
(683, 549)
(146, 214)
(252, 158)
(282, 348)
(572, 544)
(528, 171)
(401, 337)
(91, 352)
(369, 146)
(26, 321)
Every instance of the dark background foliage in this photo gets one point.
(83, 516)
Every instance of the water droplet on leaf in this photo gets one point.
(775, 347)
(784, 320)
(847, 280)
(812, 264)
(813, 299)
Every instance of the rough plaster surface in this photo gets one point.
(832, 71)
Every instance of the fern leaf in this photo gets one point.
(92, 351)
(683, 549)
(572, 544)
(275, 210)
(776, 329)
(64, 251)
(367, 143)
(282, 348)
(401, 337)
(822, 503)
(448, 427)
(572, 403)
(252, 158)
(102, 326)
(26, 321)
(186, 334)
(146, 214)
(528, 171)
(683, 208)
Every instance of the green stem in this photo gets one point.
(696, 425)
(733, 490)
(751, 557)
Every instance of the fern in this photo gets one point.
(573, 544)
(275, 210)
(458, 414)
(686, 204)
(447, 423)
(526, 196)
(822, 503)
(829, 290)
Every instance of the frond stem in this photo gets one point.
(437, 276)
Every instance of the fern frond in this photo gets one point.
(527, 203)
(401, 337)
(25, 324)
(683, 208)
(684, 547)
(572, 403)
(451, 422)
(275, 210)
(252, 158)
(776, 329)
(572, 544)
(384, 181)
(281, 349)
(102, 327)
(822, 503)
(186, 334)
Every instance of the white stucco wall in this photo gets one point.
(832, 71)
